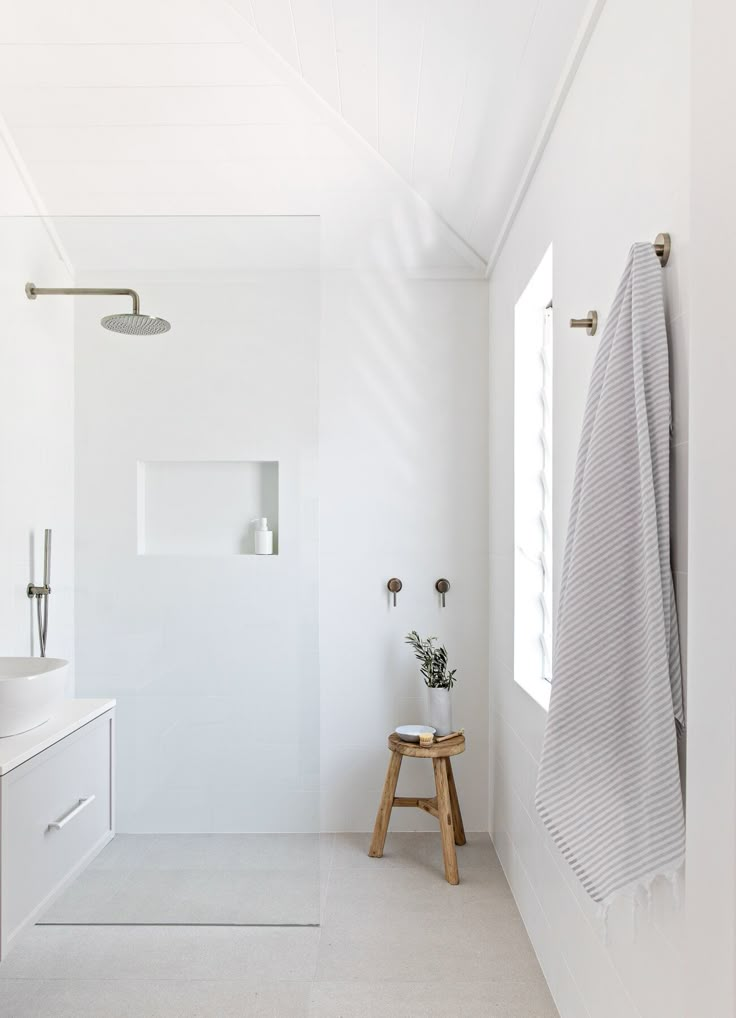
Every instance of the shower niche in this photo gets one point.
(205, 508)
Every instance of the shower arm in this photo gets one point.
(32, 291)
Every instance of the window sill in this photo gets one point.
(538, 689)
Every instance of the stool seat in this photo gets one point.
(444, 806)
(450, 747)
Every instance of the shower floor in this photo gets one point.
(210, 879)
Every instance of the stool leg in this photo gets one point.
(444, 809)
(384, 810)
(457, 819)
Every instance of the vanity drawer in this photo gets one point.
(68, 785)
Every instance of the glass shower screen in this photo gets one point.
(185, 441)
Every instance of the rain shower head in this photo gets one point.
(134, 324)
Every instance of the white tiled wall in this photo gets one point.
(212, 657)
(599, 187)
(403, 492)
(36, 424)
(711, 834)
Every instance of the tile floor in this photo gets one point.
(395, 939)
(206, 879)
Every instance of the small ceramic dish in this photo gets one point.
(411, 733)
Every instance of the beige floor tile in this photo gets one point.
(396, 946)
(418, 893)
(470, 1000)
(92, 998)
(164, 952)
(199, 879)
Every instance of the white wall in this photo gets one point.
(36, 425)
(213, 658)
(403, 492)
(615, 171)
(712, 701)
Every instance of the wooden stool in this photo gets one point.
(444, 805)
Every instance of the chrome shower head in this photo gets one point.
(131, 324)
(135, 324)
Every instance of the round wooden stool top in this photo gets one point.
(450, 747)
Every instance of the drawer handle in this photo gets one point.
(56, 825)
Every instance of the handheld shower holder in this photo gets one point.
(41, 591)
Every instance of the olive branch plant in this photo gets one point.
(432, 661)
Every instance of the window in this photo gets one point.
(533, 596)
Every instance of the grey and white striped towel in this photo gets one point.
(608, 788)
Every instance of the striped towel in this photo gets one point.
(608, 787)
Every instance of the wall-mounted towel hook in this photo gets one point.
(663, 248)
(590, 324)
(394, 585)
(442, 586)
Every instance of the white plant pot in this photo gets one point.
(440, 710)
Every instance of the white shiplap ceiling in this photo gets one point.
(405, 124)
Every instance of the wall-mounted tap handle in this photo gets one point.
(394, 585)
(442, 586)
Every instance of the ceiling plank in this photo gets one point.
(495, 234)
(276, 24)
(141, 143)
(357, 54)
(448, 35)
(36, 106)
(155, 65)
(497, 48)
(315, 35)
(400, 32)
(91, 22)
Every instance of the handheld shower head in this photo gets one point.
(130, 324)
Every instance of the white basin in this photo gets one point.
(31, 689)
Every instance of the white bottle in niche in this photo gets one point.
(264, 537)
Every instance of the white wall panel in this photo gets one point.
(403, 492)
(591, 202)
(711, 787)
(36, 427)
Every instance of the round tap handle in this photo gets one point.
(394, 585)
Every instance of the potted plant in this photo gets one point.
(438, 678)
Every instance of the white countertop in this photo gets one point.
(16, 749)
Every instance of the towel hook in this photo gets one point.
(590, 324)
(663, 248)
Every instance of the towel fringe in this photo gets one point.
(640, 895)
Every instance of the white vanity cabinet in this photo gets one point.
(56, 808)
